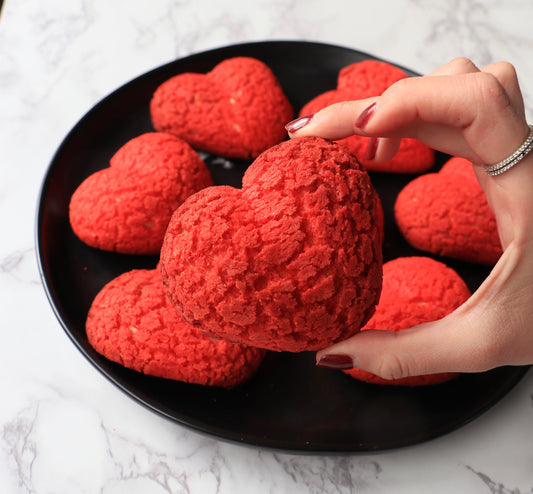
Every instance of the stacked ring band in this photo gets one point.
(515, 158)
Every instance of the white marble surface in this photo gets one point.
(63, 427)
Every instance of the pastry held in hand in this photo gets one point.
(290, 262)
(132, 322)
(126, 207)
(237, 110)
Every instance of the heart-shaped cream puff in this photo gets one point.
(415, 290)
(126, 207)
(132, 322)
(447, 213)
(292, 261)
(362, 80)
(237, 110)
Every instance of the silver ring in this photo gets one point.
(515, 158)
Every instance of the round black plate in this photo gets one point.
(290, 404)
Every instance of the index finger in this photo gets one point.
(337, 120)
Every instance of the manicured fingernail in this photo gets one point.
(362, 120)
(371, 149)
(298, 123)
(335, 361)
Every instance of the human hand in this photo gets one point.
(477, 114)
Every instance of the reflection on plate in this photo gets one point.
(290, 404)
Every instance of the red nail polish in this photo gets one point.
(298, 123)
(335, 361)
(366, 114)
(371, 149)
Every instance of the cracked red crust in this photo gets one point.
(447, 213)
(363, 80)
(237, 110)
(126, 207)
(132, 322)
(415, 290)
(291, 262)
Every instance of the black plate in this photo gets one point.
(290, 404)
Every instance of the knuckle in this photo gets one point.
(399, 88)
(400, 84)
(391, 367)
(491, 91)
(504, 71)
(344, 106)
(462, 64)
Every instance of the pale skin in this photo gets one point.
(478, 114)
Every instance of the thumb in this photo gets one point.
(492, 328)
(446, 345)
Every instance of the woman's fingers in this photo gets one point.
(471, 113)
(452, 344)
(343, 119)
(425, 349)
(506, 75)
(333, 122)
(458, 65)
(381, 150)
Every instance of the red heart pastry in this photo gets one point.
(447, 213)
(363, 80)
(415, 290)
(237, 110)
(127, 206)
(292, 261)
(132, 322)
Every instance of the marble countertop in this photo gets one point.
(63, 427)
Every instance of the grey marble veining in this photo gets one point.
(63, 427)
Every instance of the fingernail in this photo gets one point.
(335, 361)
(371, 149)
(298, 123)
(362, 120)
